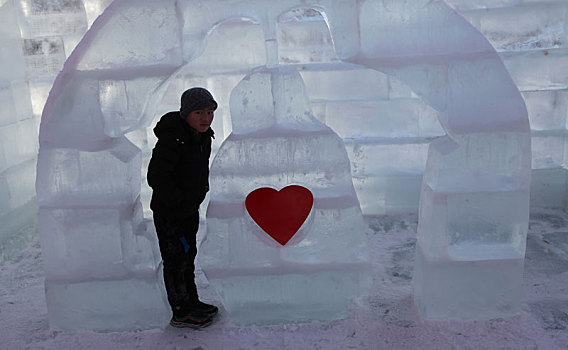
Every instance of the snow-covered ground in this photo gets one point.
(384, 320)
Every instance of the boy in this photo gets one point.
(179, 176)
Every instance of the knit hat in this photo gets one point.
(195, 99)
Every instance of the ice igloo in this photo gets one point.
(100, 256)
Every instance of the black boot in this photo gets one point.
(205, 308)
(190, 319)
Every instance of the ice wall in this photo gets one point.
(136, 54)
(50, 30)
(100, 255)
(18, 137)
(535, 54)
(37, 37)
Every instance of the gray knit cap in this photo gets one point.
(195, 99)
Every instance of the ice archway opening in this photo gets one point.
(95, 241)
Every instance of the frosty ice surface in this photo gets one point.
(312, 279)
(423, 44)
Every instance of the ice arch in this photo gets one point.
(96, 244)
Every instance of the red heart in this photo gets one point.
(280, 213)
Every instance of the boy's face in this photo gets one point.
(200, 119)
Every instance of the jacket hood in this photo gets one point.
(168, 123)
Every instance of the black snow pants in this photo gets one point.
(177, 239)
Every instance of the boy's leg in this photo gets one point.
(189, 240)
(192, 298)
(178, 253)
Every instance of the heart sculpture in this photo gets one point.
(280, 213)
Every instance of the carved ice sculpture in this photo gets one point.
(101, 261)
(276, 142)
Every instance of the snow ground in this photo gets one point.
(384, 320)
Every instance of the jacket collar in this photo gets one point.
(197, 136)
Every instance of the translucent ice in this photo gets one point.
(543, 25)
(474, 199)
(93, 236)
(18, 135)
(547, 109)
(12, 67)
(154, 48)
(275, 142)
(77, 182)
(538, 70)
(418, 54)
(124, 304)
(535, 55)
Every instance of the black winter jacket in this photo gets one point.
(179, 168)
